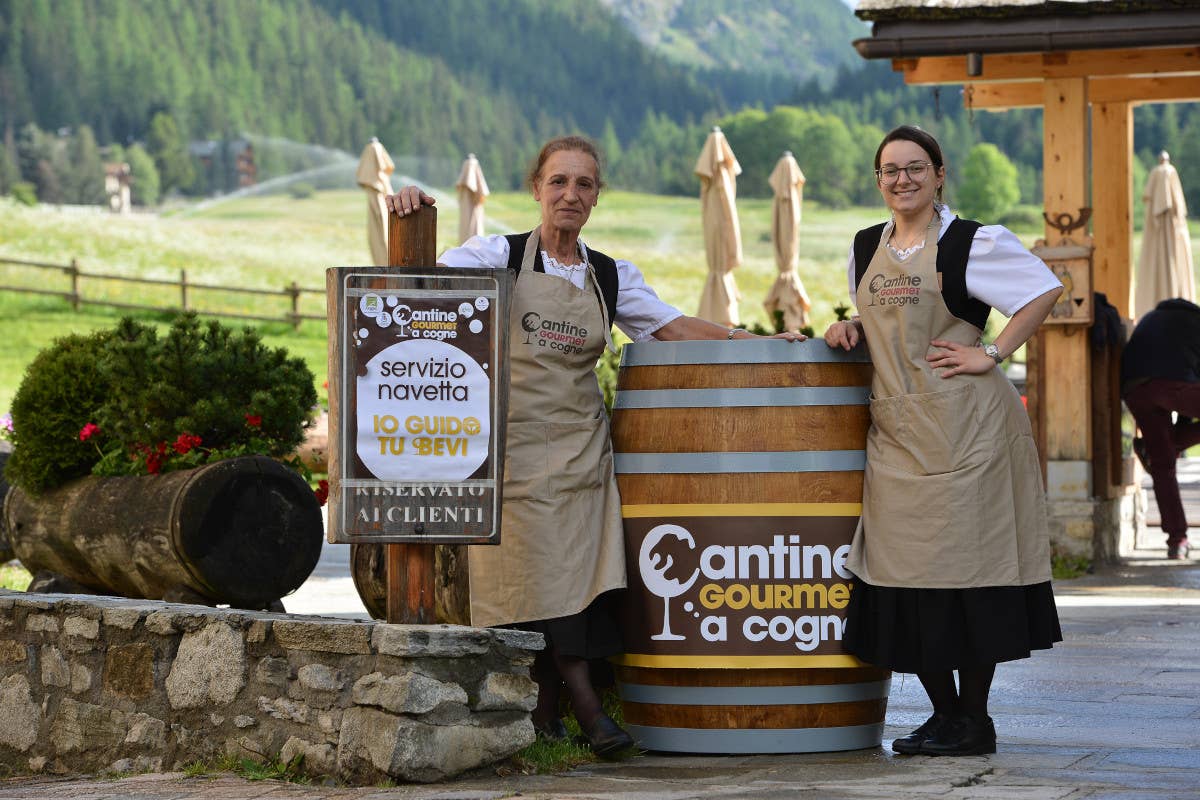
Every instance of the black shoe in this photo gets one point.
(606, 738)
(962, 735)
(1178, 552)
(1139, 450)
(553, 731)
(911, 744)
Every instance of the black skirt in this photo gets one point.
(592, 633)
(921, 630)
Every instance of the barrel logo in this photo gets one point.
(751, 586)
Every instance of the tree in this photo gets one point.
(144, 190)
(84, 181)
(989, 183)
(167, 147)
(9, 172)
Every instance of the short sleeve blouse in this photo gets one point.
(1001, 271)
(640, 312)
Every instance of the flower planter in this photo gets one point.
(243, 531)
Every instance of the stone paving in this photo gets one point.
(1111, 713)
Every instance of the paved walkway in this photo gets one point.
(1112, 712)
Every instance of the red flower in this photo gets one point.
(186, 442)
(154, 462)
(254, 420)
(322, 492)
(88, 431)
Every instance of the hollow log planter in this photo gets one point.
(6, 553)
(243, 531)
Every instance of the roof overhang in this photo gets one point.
(916, 28)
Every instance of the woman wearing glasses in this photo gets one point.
(952, 555)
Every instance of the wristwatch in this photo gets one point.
(732, 331)
(993, 351)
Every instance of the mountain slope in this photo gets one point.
(800, 39)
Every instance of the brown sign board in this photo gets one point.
(421, 381)
(708, 587)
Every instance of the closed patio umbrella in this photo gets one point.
(472, 193)
(718, 169)
(1165, 266)
(374, 175)
(787, 294)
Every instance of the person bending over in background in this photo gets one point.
(1160, 375)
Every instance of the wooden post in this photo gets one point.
(183, 300)
(412, 242)
(294, 291)
(1064, 349)
(1112, 226)
(1112, 202)
(73, 271)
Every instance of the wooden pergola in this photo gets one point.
(1086, 63)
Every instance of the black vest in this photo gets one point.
(954, 248)
(605, 267)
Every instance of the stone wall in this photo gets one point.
(91, 684)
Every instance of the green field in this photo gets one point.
(270, 241)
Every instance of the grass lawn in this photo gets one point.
(270, 241)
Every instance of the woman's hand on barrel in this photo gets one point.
(956, 359)
(844, 334)
(408, 200)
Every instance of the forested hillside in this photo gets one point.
(435, 79)
(137, 80)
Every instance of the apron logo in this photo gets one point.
(555, 334)
(530, 323)
(902, 290)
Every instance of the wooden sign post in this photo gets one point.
(412, 242)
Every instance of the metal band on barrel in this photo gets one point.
(767, 351)
(753, 695)
(780, 461)
(734, 398)
(778, 740)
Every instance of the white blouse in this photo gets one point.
(1000, 270)
(640, 312)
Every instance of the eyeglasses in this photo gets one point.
(917, 171)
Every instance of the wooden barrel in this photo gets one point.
(740, 467)
(243, 531)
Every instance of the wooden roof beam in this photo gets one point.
(1036, 66)
(1028, 94)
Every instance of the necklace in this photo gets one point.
(918, 239)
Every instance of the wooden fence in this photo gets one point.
(77, 279)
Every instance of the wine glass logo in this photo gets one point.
(655, 577)
(531, 322)
(402, 316)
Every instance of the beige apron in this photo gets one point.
(561, 537)
(952, 495)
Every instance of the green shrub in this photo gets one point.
(24, 193)
(62, 389)
(301, 190)
(128, 401)
(606, 375)
(1023, 218)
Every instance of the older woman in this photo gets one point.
(562, 551)
(952, 557)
